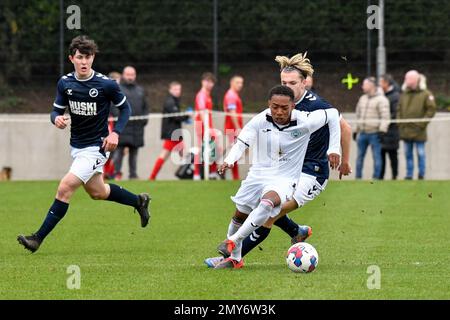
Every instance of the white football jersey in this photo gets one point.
(280, 150)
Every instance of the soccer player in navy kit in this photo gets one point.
(88, 96)
(315, 171)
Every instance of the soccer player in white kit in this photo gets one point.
(315, 172)
(278, 137)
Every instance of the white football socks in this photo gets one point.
(255, 219)
(233, 227)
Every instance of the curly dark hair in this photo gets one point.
(280, 90)
(84, 45)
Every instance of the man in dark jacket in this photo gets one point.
(133, 135)
(390, 140)
(171, 127)
(416, 102)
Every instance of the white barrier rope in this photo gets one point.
(41, 119)
(22, 120)
(439, 119)
(356, 121)
(7, 118)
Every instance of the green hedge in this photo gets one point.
(171, 31)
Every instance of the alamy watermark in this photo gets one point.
(74, 20)
(74, 280)
(374, 18)
(374, 280)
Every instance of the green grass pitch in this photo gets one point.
(401, 227)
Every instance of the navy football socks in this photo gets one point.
(122, 196)
(287, 225)
(58, 209)
(255, 238)
(56, 212)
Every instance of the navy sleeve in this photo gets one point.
(119, 100)
(114, 93)
(326, 105)
(61, 97)
(56, 112)
(61, 102)
(124, 115)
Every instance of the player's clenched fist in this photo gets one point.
(110, 142)
(61, 122)
(223, 167)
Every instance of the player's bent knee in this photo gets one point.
(266, 204)
(97, 195)
(263, 212)
(63, 195)
(289, 206)
(64, 192)
(264, 209)
(273, 197)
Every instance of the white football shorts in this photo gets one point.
(87, 162)
(307, 189)
(251, 191)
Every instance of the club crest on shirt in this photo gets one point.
(295, 134)
(93, 92)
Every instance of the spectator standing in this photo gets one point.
(390, 141)
(116, 76)
(372, 113)
(171, 127)
(203, 102)
(132, 136)
(416, 102)
(232, 105)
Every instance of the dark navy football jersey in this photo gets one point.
(316, 158)
(89, 102)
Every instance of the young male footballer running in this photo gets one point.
(87, 95)
(315, 172)
(278, 137)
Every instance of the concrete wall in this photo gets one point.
(36, 150)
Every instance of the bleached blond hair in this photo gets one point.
(299, 62)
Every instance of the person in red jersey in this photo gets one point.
(203, 101)
(232, 105)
